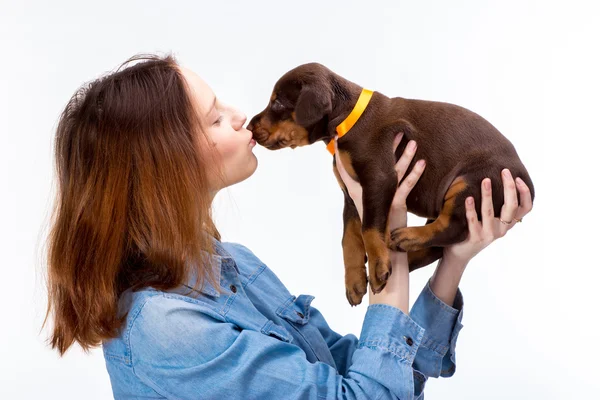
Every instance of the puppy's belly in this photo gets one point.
(420, 204)
(426, 199)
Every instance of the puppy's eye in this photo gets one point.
(277, 106)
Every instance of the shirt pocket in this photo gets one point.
(296, 309)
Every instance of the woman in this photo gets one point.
(136, 263)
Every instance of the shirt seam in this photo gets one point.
(407, 318)
(375, 344)
(435, 346)
(254, 275)
(130, 326)
(151, 382)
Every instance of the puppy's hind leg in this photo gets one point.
(448, 228)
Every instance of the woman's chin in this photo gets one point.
(248, 170)
(253, 165)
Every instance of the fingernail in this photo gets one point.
(421, 163)
(470, 201)
(487, 184)
(412, 145)
(519, 181)
(506, 173)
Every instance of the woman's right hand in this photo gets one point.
(397, 216)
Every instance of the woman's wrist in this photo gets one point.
(395, 292)
(452, 258)
(446, 278)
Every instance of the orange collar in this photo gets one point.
(348, 123)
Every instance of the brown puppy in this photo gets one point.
(460, 149)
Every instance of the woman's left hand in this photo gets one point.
(482, 234)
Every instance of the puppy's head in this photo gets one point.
(298, 110)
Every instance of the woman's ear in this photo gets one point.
(314, 102)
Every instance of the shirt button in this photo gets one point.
(408, 341)
(233, 288)
(300, 314)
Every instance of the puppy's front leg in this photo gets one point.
(378, 192)
(353, 247)
(354, 254)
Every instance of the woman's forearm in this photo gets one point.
(395, 292)
(446, 278)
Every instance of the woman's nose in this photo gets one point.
(240, 120)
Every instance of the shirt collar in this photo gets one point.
(220, 260)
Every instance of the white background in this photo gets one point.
(529, 67)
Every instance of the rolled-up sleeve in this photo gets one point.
(436, 354)
(181, 352)
(442, 324)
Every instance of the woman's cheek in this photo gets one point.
(229, 153)
(223, 146)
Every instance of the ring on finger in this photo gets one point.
(514, 220)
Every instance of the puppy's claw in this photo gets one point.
(356, 293)
(378, 287)
(383, 270)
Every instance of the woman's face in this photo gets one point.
(224, 126)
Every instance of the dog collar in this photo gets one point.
(348, 123)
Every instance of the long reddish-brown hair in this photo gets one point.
(133, 206)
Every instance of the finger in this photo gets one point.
(405, 159)
(509, 208)
(487, 207)
(397, 141)
(474, 225)
(410, 181)
(526, 204)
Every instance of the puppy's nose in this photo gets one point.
(252, 123)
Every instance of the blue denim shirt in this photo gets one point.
(258, 341)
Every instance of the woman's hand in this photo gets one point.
(446, 278)
(397, 217)
(482, 234)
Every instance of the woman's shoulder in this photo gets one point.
(239, 251)
(156, 319)
(250, 266)
(152, 307)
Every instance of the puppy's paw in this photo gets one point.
(356, 288)
(408, 239)
(379, 272)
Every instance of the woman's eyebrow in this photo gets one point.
(214, 102)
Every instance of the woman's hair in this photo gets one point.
(133, 206)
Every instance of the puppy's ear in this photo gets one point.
(313, 104)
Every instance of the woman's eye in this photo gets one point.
(218, 121)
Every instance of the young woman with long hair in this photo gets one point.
(136, 264)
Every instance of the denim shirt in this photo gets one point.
(258, 341)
